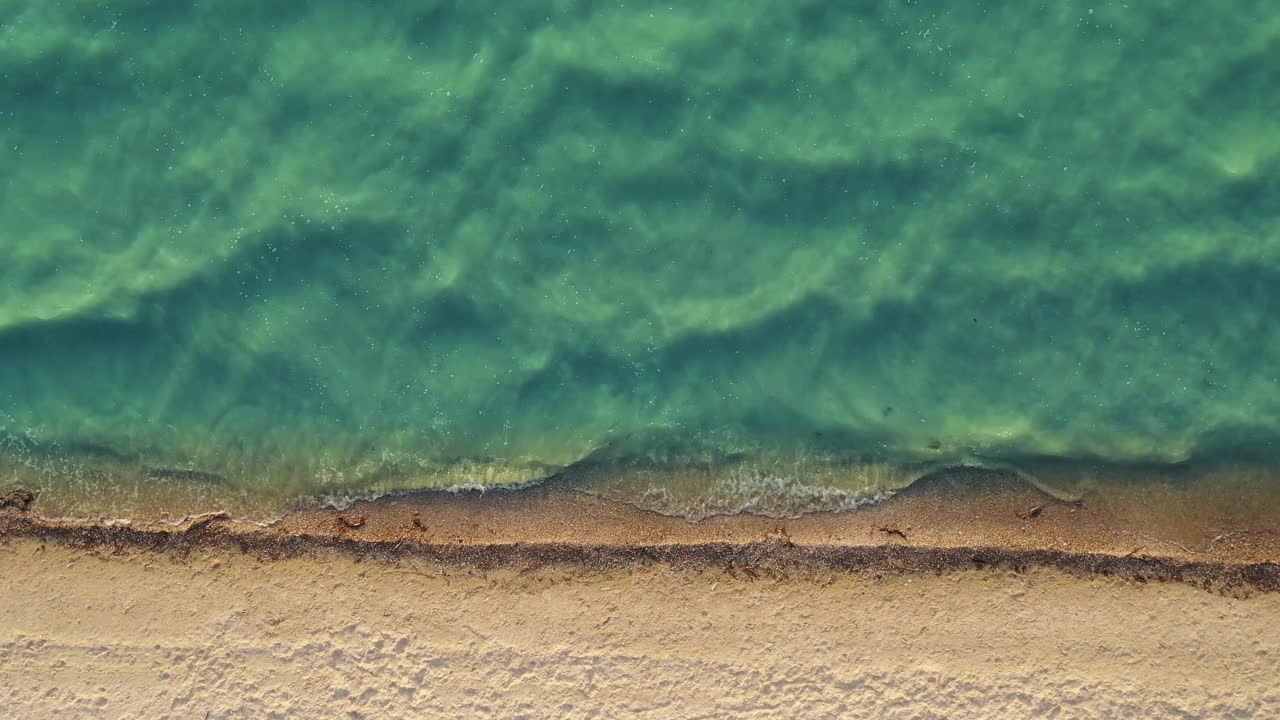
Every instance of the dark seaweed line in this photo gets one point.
(772, 559)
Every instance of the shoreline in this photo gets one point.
(947, 524)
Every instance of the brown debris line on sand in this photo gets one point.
(773, 558)
(1209, 532)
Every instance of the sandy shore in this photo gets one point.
(955, 599)
(228, 635)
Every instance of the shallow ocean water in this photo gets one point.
(776, 257)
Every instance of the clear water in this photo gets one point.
(777, 256)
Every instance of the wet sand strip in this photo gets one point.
(938, 527)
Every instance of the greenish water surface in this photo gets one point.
(705, 256)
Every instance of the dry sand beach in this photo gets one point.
(953, 600)
(224, 635)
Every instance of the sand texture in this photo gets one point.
(223, 635)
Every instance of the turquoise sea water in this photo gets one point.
(705, 256)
